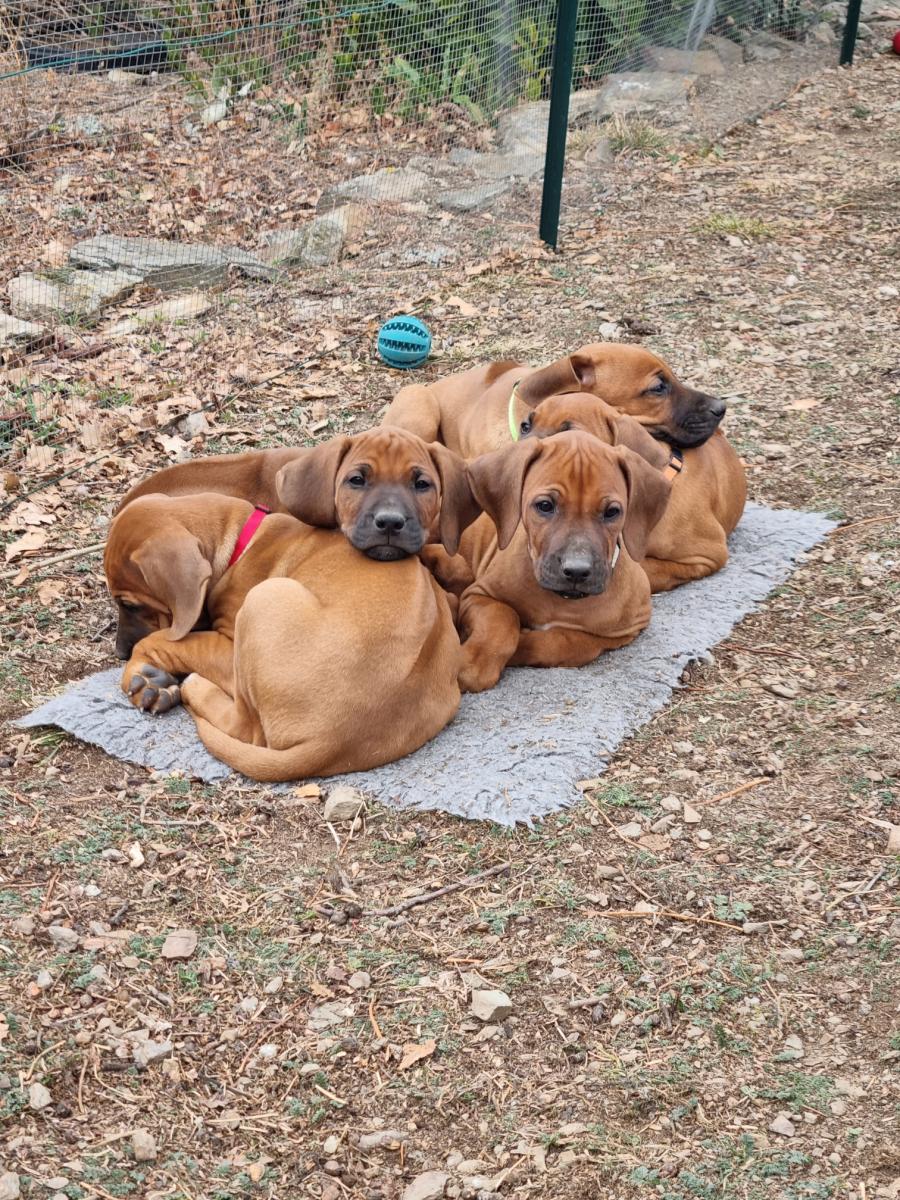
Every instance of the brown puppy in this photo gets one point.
(319, 659)
(476, 411)
(554, 579)
(709, 487)
(386, 489)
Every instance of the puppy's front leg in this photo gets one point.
(452, 572)
(561, 648)
(490, 630)
(150, 677)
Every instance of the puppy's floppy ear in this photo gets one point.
(306, 486)
(631, 434)
(459, 508)
(648, 495)
(497, 480)
(575, 373)
(178, 574)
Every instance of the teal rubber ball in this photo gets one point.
(404, 342)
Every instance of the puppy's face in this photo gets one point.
(636, 383)
(387, 490)
(575, 498)
(572, 410)
(156, 572)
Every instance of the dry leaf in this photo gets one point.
(181, 943)
(414, 1052)
(310, 790)
(27, 544)
(465, 309)
(50, 590)
(804, 404)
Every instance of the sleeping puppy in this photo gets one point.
(480, 410)
(550, 576)
(709, 486)
(385, 489)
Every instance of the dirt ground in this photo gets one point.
(708, 1011)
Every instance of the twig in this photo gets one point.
(57, 558)
(376, 1028)
(744, 787)
(673, 916)
(857, 524)
(859, 891)
(425, 897)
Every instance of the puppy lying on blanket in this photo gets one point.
(709, 486)
(477, 411)
(550, 577)
(386, 489)
(319, 660)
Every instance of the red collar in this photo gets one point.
(250, 527)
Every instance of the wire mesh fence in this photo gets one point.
(154, 155)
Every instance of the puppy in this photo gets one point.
(480, 410)
(385, 489)
(320, 659)
(709, 486)
(550, 575)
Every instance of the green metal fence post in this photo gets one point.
(560, 87)
(851, 28)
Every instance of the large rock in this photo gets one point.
(523, 130)
(474, 198)
(69, 295)
(498, 166)
(429, 1185)
(166, 265)
(317, 244)
(696, 62)
(729, 52)
(14, 332)
(762, 46)
(387, 186)
(644, 91)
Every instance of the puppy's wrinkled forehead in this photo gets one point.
(392, 455)
(579, 469)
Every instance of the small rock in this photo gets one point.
(343, 804)
(359, 980)
(124, 78)
(214, 113)
(268, 1051)
(275, 984)
(888, 292)
(14, 332)
(782, 1125)
(143, 1145)
(331, 1167)
(838, 1107)
(567, 1158)
(330, 1145)
(179, 944)
(249, 1005)
(136, 855)
(38, 1097)
(705, 835)
(490, 1005)
(690, 815)
(62, 937)
(9, 1186)
(44, 980)
(195, 424)
(605, 872)
(632, 830)
(149, 1052)
(24, 926)
(791, 954)
(670, 804)
(429, 1185)
(381, 1138)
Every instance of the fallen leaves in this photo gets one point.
(179, 944)
(415, 1052)
(29, 543)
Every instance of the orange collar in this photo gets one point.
(675, 465)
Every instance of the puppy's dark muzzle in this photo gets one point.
(387, 534)
(129, 631)
(573, 574)
(698, 419)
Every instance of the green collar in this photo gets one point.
(511, 414)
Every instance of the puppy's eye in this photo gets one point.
(525, 427)
(613, 512)
(545, 506)
(659, 388)
(565, 427)
(356, 480)
(422, 484)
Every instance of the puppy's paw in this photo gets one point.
(153, 690)
(477, 676)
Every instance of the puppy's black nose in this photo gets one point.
(717, 407)
(389, 520)
(576, 570)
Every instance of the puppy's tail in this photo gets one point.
(261, 762)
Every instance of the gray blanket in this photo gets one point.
(514, 753)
